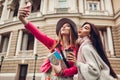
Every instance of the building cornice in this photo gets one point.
(15, 20)
(117, 14)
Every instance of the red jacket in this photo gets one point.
(49, 42)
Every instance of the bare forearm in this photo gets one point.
(23, 20)
(24, 12)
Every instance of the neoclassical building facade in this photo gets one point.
(19, 47)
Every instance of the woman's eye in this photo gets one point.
(86, 28)
(68, 26)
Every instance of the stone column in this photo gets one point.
(102, 5)
(19, 42)
(106, 43)
(4, 12)
(85, 5)
(108, 7)
(105, 40)
(51, 6)
(81, 7)
(9, 43)
(41, 5)
(25, 41)
(110, 41)
(45, 6)
(101, 36)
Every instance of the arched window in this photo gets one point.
(36, 5)
(16, 7)
(13, 8)
(1, 7)
(4, 42)
(27, 41)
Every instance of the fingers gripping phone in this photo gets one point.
(28, 4)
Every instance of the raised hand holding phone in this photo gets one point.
(24, 12)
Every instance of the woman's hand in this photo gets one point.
(57, 68)
(24, 12)
(72, 57)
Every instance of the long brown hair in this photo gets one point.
(97, 43)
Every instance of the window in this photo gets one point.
(62, 3)
(13, 8)
(93, 6)
(4, 42)
(36, 5)
(1, 61)
(62, 6)
(23, 72)
(0, 67)
(1, 8)
(27, 41)
(16, 9)
(30, 42)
